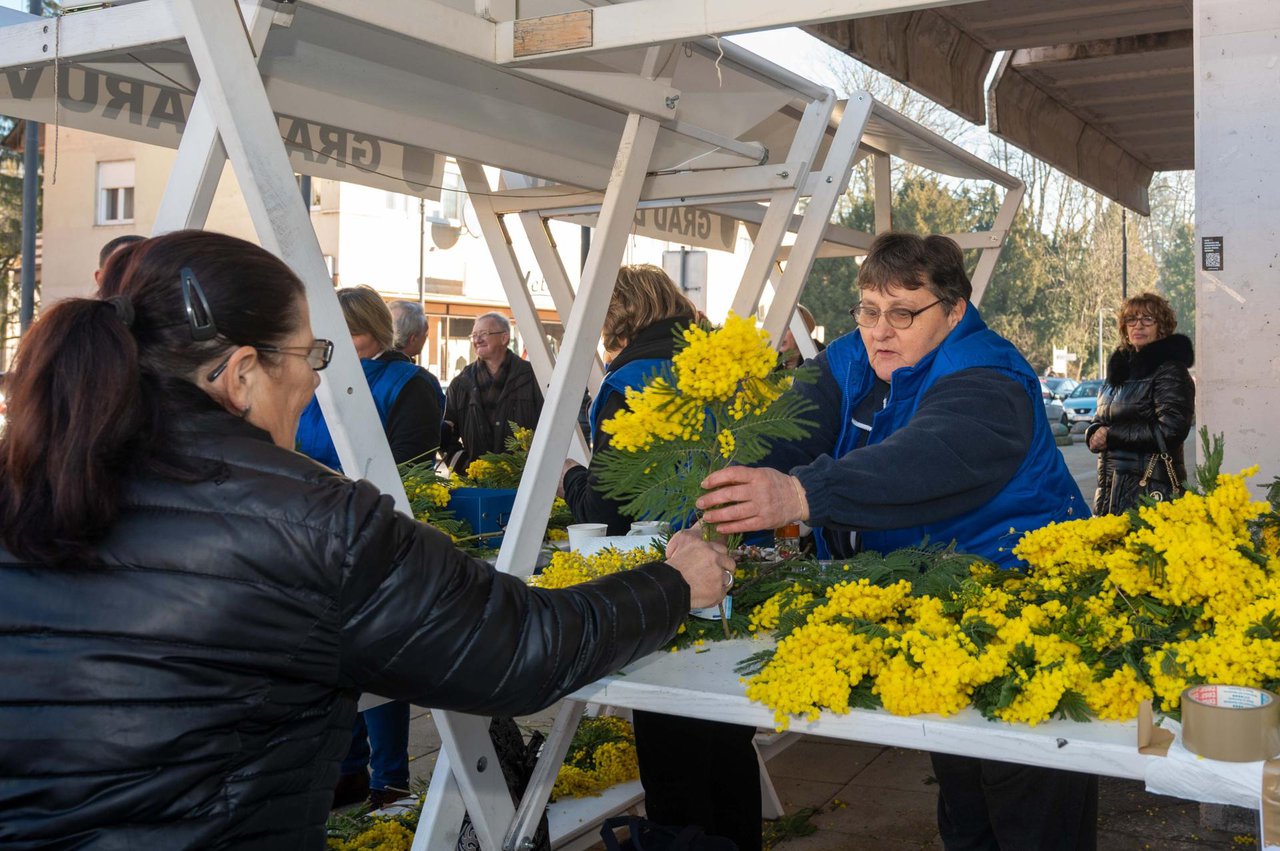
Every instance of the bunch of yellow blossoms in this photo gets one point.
(722, 401)
(656, 414)
(429, 491)
(714, 364)
(383, 835)
(571, 568)
(1114, 610)
(602, 754)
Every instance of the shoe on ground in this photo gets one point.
(380, 798)
(351, 789)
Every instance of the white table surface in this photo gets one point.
(704, 685)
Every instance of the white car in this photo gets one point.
(1052, 406)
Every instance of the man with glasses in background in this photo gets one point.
(492, 392)
(929, 427)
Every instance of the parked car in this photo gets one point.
(1052, 405)
(1082, 403)
(1061, 385)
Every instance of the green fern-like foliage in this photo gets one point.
(1208, 469)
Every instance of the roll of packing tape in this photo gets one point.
(1231, 723)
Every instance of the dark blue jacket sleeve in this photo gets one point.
(825, 396)
(581, 492)
(968, 437)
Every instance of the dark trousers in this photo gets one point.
(984, 805)
(702, 773)
(380, 743)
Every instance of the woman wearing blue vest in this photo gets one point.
(930, 425)
(410, 415)
(646, 312)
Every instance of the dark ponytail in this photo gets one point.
(97, 383)
(76, 415)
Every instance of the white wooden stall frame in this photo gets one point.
(235, 116)
(832, 175)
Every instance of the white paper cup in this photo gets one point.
(648, 527)
(580, 532)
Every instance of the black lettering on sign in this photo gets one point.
(88, 100)
(704, 225)
(333, 143)
(299, 136)
(689, 223)
(638, 221)
(168, 109)
(660, 218)
(125, 95)
(23, 83)
(365, 151)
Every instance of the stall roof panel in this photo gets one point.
(360, 102)
(1100, 89)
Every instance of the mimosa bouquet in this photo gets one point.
(724, 402)
(1113, 610)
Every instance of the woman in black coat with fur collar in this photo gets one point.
(1144, 410)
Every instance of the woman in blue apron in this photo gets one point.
(377, 766)
(930, 426)
(677, 755)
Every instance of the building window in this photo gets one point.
(115, 192)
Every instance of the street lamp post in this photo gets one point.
(1101, 350)
(30, 176)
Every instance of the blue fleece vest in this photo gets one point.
(1042, 491)
(386, 380)
(630, 376)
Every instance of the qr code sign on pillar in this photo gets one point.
(1211, 253)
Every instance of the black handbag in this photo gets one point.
(516, 758)
(647, 836)
(1151, 486)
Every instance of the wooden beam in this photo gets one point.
(1102, 49)
(551, 33)
(923, 50)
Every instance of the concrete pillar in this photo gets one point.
(1237, 100)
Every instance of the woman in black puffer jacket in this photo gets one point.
(1144, 410)
(190, 606)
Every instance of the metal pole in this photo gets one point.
(422, 250)
(30, 176)
(583, 251)
(1099, 342)
(1124, 253)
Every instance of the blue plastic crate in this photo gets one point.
(486, 510)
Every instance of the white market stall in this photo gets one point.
(377, 94)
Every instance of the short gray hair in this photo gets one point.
(504, 324)
(408, 320)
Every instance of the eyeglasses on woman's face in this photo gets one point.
(318, 356)
(897, 317)
(1144, 320)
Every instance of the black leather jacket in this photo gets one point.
(1146, 390)
(195, 687)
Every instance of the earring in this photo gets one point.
(244, 412)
